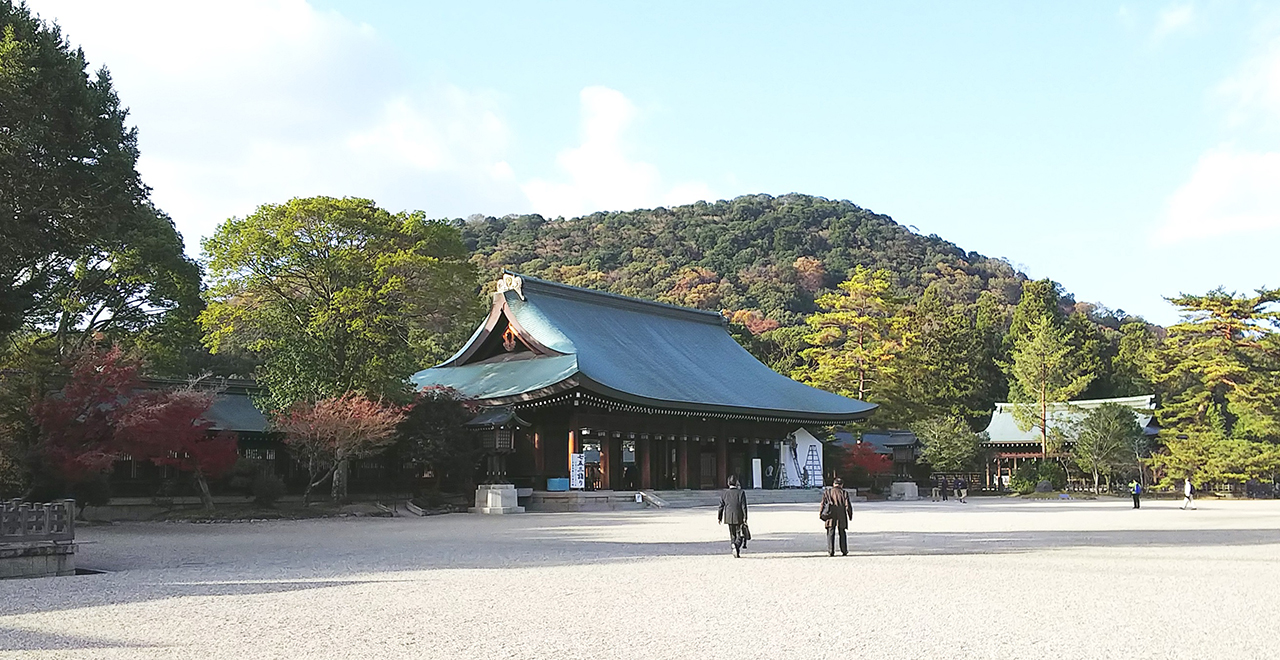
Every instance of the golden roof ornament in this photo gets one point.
(511, 282)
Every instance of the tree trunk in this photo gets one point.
(339, 485)
(1044, 418)
(1095, 482)
(312, 483)
(206, 498)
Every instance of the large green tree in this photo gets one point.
(70, 188)
(949, 444)
(949, 368)
(1044, 369)
(856, 338)
(1220, 386)
(1105, 440)
(337, 295)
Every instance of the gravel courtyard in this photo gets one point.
(995, 578)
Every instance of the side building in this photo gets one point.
(1008, 445)
(653, 396)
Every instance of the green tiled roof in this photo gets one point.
(630, 350)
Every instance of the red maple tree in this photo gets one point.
(78, 423)
(169, 427)
(326, 435)
(103, 413)
(863, 456)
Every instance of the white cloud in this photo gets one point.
(1173, 19)
(244, 102)
(1234, 189)
(601, 174)
(1254, 91)
(1230, 192)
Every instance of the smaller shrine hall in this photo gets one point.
(640, 394)
(1008, 444)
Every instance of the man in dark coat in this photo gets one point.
(733, 512)
(841, 510)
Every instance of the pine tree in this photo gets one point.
(1045, 369)
(1220, 385)
(856, 338)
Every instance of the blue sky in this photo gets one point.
(1129, 150)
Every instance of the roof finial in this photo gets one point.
(511, 282)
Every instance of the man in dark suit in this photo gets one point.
(837, 504)
(733, 512)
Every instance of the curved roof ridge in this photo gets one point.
(618, 300)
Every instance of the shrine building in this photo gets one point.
(649, 395)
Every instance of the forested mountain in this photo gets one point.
(767, 263)
(764, 256)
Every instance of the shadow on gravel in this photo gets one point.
(12, 639)
(149, 590)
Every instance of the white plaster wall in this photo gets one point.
(803, 441)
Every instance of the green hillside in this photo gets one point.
(755, 253)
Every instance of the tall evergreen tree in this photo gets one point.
(856, 338)
(1045, 369)
(1220, 387)
(947, 370)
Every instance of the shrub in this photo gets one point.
(94, 491)
(267, 489)
(1031, 473)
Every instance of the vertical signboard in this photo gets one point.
(757, 476)
(577, 472)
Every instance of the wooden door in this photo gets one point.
(708, 471)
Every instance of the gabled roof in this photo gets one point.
(495, 418)
(884, 441)
(542, 338)
(1004, 427)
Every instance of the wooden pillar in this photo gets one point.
(539, 456)
(682, 463)
(644, 461)
(722, 461)
(606, 463)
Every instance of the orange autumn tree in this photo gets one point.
(327, 435)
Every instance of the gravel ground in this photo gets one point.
(995, 578)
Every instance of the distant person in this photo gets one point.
(937, 491)
(768, 476)
(1187, 499)
(836, 512)
(962, 489)
(1136, 489)
(946, 488)
(733, 512)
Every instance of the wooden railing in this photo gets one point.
(23, 522)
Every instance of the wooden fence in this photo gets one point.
(24, 522)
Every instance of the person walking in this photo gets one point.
(937, 491)
(733, 512)
(836, 511)
(962, 489)
(1187, 499)
(1136, 489)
